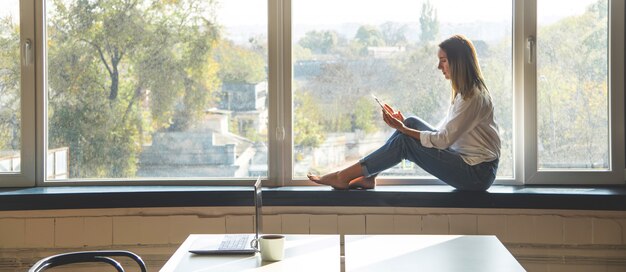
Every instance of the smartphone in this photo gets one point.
(378, 101)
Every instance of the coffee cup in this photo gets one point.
(272, 247)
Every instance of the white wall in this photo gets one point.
(542, 240)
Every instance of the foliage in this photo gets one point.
(429, 24)
(10, 112)
(307, 129)
(364, 113)
(394, 34)
(572, 116)
(368, 36)
(112, 61)
(320, 42)
(238, 64)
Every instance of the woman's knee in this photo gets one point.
(415, 122)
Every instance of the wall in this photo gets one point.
(542, 240)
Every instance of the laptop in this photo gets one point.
(236, 243)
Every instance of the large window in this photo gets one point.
(341, 57)
(192, 91)
(156, 89)
(572, 85)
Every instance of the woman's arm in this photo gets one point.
(464, 116)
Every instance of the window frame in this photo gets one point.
(531, 173)
(280, 155)
(26, 177)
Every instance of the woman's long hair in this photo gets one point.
(465, 74)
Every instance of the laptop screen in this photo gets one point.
(258, 204)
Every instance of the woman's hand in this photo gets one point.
(393, 118)
(396, 114)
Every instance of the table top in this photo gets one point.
(369, 253)
(302, 253)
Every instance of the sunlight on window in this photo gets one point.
(10, 92)
(345, 51)
(156, 89)
(572, 85)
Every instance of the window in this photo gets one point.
(577, 97)
(573, 114)
(388, 49)
(156, 89)
(192, 91)
(16, 99)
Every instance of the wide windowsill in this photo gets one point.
(516, 197)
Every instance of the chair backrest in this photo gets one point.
(103, 256)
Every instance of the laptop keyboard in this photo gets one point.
(231, 242)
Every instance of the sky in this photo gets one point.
(377, 11)
(246, 12)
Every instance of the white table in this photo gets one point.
(302, 253)
(433, 253)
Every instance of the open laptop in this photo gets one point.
(236, 243)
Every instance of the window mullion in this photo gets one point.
(279, 85)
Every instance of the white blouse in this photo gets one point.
(469, 129)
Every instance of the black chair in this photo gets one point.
(103, 256)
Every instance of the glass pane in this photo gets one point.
(572, 85)
(10, 75)
(341, 57)
(157, 89)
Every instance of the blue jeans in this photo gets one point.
(447, 165)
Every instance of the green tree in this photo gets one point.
(429, 24)
(238, 64)
(320, 42)
(10, 113)
(308, 133)
(121, 69)
(365, 114)
(573, 112)
(367, 36)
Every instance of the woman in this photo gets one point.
(463, 151)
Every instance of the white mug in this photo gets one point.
(272, 247)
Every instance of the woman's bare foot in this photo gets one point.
(363, 183)
(332, 180)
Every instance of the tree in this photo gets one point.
(394, 34)
(238, 64)
(572, 113)
(121, 70)
(364, 115)
(429, 24)
(368, 36)
(308, 132)
(10, 112)
(320, 42)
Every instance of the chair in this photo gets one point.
(104, 256)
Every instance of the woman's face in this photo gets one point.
(443, 63)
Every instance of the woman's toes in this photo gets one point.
(314, 178)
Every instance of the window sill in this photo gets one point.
(433, 196)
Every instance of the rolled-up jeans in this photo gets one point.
(445, 164)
